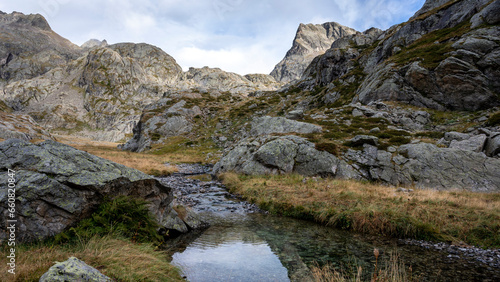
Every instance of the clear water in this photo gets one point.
(242, 246)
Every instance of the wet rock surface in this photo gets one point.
(194, 188)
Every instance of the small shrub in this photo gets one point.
(430, 134)
(328, 147)
(399, 140)
(124, 215)
(155, 136)
(494, 120)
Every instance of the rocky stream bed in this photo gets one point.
(246, 243)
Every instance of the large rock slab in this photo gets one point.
(474, 143)
(442, 168)
(73, 269)
(284, 154)
(57, 186)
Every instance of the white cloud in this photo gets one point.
(243, 36)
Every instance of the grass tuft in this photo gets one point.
(115, 257)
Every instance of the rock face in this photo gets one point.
(267, 125)
(73, 269)
(57, 186)
(442, 58)
(21, 127)
(102, 92)
(153, 128)
(310, 41)
(274, 155)
(422, 165)
(216, 80)
(427, 166)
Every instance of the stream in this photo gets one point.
(244, 243)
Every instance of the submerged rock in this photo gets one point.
(73, 269)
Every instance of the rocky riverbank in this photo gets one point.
(489, 257)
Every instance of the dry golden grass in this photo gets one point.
(117, 258)
(425, 214)
(147, 163)
(391, 271)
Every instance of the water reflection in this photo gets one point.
(230, 254)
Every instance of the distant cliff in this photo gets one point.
(310, 41)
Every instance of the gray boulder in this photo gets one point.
(489, 15)
(360, 140)
(73, 269)
(441, 168)
(57, 186)
(474, 143)
(453, 136)
(492, 148)
(268, 125)
(275, 155)
(426, 166)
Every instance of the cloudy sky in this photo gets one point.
(242, 36)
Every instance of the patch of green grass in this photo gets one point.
(430, 134)
(431, 49)
(125, 216)
(155, 136)
(331, 148)
(388, 134)
(493, 120)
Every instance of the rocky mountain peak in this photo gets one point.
(33, 20)
(310, 41)
(92, 43)
(30, 48)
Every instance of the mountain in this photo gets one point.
(444, 57)
(310, 41)
(97, 90)
(30, 48)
